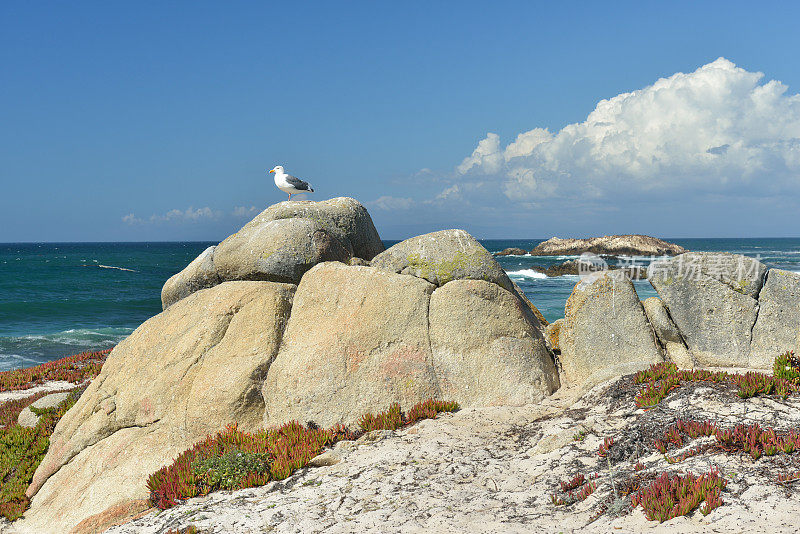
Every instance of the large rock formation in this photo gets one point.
(280, 244)
(199, 274)
(668, 335)
(712, 299)
(613, 245)
(778, 324)
(180, 376)
(440, 257)
(486, 350)
(278, 250)
(360, 338)
(357, 340)
(435, 316)
(605, 331)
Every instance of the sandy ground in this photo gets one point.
(52, 386)
(495, 469)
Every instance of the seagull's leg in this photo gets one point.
(290, 196)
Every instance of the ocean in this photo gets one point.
(58, 299)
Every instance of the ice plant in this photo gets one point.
(22, 449)
(573, 483)
(233, 459)
(604, 448)
(661, 378)
(76, 369)
(672, 496)
(787, 367)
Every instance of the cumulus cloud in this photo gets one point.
(718, 130)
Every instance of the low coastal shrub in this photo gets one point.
(233, 459)
(787, 367)
(661, 378)
(750, 439)
(672, 496)
(10, 410)
(75, 369)
(584, 485)
(22, 449)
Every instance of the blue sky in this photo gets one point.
(159, 121)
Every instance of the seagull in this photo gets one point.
(290, 184)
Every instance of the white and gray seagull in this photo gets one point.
(290, 184)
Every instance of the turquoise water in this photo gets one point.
(58, 299)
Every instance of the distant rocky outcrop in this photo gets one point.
(580, 266)
(614, 245)
(513, 251)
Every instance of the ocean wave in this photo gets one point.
(34, 349)
(76, 336)
(101, 266)
(527, 273)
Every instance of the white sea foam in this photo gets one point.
(527, 273)
(118, 268)
(81, 336)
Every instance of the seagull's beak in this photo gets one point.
(273, 170)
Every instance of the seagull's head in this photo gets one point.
(278, 169)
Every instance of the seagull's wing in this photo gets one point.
(297, 183)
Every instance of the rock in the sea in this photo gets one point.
(281, 244)
(440, 257)
(778, 324)
(486, 351)
(199, 274)
(513, 251)
(279, 250)
(605, 331)
(614, 245)
(711, 297)
(180, 376)
(357, 341)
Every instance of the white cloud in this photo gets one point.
(243, 212)
(189, 215)
(131, 219)
(718, 130)
(388, 203)
(451, 193)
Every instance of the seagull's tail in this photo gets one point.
(311, 189)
